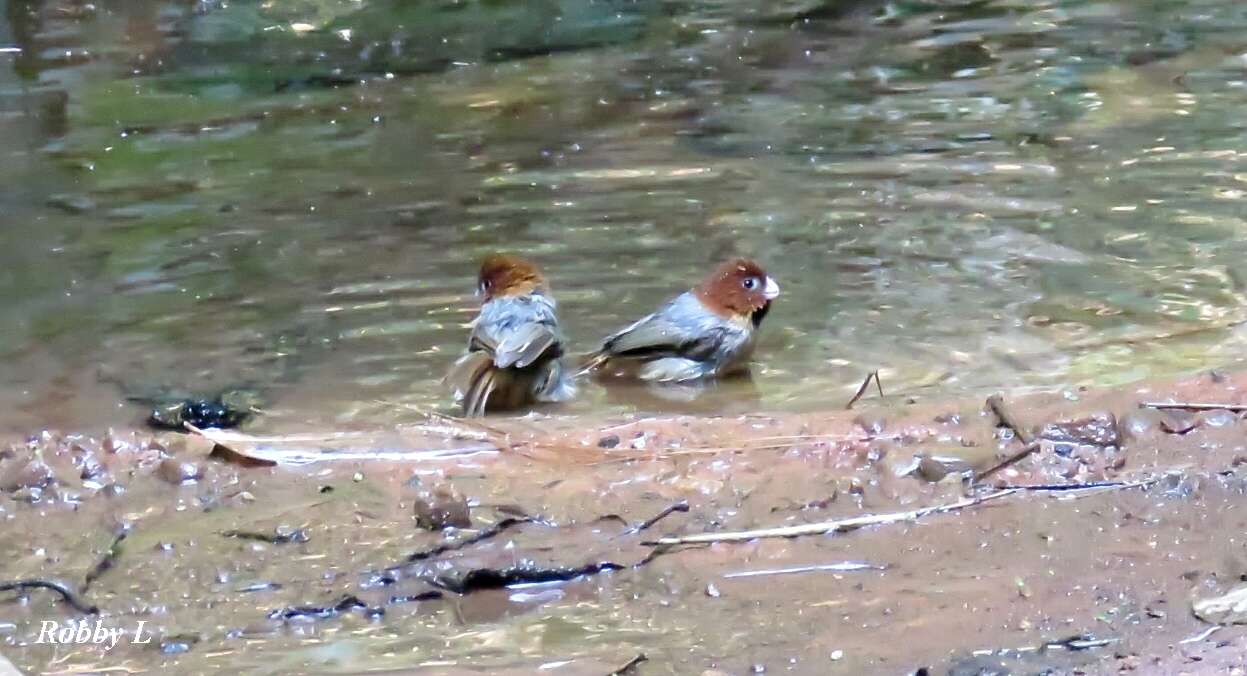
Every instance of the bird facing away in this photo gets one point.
(515, 347)
(703, 333)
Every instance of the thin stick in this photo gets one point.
(105, 563)
(1016, 457)
(663, 453)
(861, 390)
(1190, 406)
(66, 593)
(681, 506)
(828, 527)
(1201, 635)
(630, 666)
(1090, 486)
(457, 427)
(845, 567)
(996, 403)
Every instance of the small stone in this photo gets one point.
(837, 655)
(357, 477)
(1138, 424)
(1179, 422)
(30, 474)
(609, 441)
(1220, 418)
(931, 469)
(872, 423)
(442, 507)
(177, 472)
(31, 494)
(712, 591)
(1098, 429)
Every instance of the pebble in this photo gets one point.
(34, 474)
(442, 507)
(176, 472)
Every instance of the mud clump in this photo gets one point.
(441, 507)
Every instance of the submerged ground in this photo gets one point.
(290, 198)
(551, 565)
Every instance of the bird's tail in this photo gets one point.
(591, 362)
(473, 378)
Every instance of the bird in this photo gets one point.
(704, 333)
(515, 348)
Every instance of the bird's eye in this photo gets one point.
(750, 283)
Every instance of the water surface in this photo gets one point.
(293, 196)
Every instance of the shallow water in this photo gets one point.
(294, 197)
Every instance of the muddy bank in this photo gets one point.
(523, 544)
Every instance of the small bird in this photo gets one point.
(515, 348)
(703, 333)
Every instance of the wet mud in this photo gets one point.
(518, 545)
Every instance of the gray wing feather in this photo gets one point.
(666, 331)
(524, 345)
(517, 331)
(681, 328)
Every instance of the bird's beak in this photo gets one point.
(772, 289)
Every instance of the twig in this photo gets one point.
(344, 603)
(1079, 642)
(843, 567)
(1201, 635)
(630, 666)
(1191, 406)
(1016, 457)
(492, 531)
(277, 537)
(468, 429)
(781, 443)
(1093, 485)
(861, 390)
(105, 563)
(66, 593)
(996, 403)
(828, 527)
(681, 506)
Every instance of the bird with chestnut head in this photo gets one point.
(707, 332)
(515, 348)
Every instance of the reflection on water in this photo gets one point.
(293, 196)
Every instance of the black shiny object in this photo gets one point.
(202, 413)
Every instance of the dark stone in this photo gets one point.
(1099, 429)
(610, 441)
(442, 507)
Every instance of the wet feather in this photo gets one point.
(515, 347)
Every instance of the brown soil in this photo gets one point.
(350, 581)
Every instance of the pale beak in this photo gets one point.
(772, 289)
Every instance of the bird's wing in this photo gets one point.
(517, 333)
(525, 344)
(672, 330)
